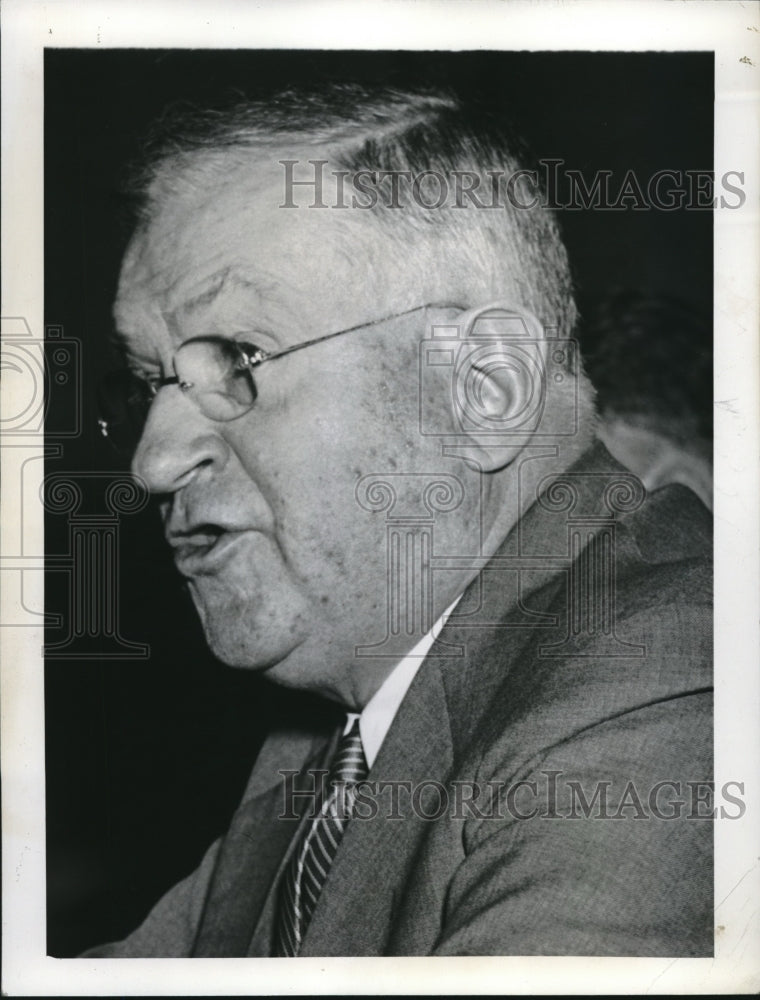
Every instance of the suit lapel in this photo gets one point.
(239, 909)
(354, 914)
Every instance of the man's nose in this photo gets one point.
(177, 444)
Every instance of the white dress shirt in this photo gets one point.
(380, 710)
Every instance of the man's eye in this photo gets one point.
(145, 383)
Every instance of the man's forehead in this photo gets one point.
(203, 298)
(192, 237)
(230, 244)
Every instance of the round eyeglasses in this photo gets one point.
(214, 372)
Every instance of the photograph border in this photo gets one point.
(731, 30)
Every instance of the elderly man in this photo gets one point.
(347, 324)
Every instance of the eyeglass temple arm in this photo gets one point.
(264, 356)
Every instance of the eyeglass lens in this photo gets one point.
(216, 374)
(213, 372)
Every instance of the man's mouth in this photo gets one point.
(201, 550)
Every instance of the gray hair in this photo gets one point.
(478, 254)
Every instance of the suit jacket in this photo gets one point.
(559, 718)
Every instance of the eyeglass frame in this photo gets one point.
(259, 356)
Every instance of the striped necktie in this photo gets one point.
(307, 869)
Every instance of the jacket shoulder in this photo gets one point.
(672, 525)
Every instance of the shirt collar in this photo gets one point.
(379, 712)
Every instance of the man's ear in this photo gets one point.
(498, 384)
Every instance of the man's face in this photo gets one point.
(287, 571)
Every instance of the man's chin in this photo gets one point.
(241, 637)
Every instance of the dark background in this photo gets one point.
(147, 758)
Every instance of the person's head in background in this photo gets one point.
(650, 360)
